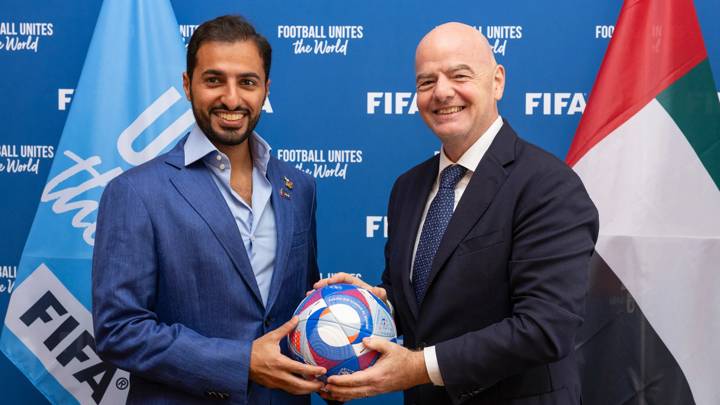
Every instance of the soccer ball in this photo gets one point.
(333, 322)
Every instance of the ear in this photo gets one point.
(186, 85)
(499, 82)
(267, 94)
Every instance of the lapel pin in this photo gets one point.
(288, 183)
(284, 194)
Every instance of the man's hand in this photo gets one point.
(348, 279)
(397, 369)
(270, 368)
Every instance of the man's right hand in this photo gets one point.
(270, 368)
(345, 278)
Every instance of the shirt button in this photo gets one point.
(218, 157)
(222, 166)
(252, 238)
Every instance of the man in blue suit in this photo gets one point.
(489, 243)
(203, 253)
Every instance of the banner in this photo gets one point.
(128, 108)
(342, 107)
(648, 150)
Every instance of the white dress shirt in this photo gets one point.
(256, 221)
(469, 160)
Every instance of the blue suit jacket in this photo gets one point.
(508, 281)
(175, 300)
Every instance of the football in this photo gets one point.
(333, 322)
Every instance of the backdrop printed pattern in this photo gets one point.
(341, 105)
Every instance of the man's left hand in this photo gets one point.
(397, 369)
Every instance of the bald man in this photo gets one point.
(486, 263)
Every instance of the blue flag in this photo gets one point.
(127, 109)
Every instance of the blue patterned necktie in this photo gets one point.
(437, 219)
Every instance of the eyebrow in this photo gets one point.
(215, 72)
(423, 76)
(461, 66)
(452, 69)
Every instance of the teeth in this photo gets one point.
(449, 110)
(231, 116)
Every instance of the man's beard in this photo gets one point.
(228, 138)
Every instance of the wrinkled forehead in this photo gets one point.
(433, 54)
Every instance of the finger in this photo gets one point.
(347, 393)
(380, 293)
(325, 395)
(320, 284)
(300, 386)
(335, 279)
(378, 344)
(284, 329)
(296, 367)
(357, 379)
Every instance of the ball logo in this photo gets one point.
(320, 39)
(333, 321)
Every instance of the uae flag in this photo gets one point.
(648, 150)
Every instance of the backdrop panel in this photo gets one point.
(341, 104)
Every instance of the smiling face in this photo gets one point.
(458, 85)
(227, 90)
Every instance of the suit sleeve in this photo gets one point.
(386, 281)
(128, 333)
(555, 227)
(313, 270)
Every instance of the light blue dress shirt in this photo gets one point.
(256, 223)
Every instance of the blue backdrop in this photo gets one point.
(341, 104)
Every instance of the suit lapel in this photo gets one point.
(195, 184)
(409, 223)
(486, 181)
(283, 208)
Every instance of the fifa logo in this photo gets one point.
(554, 103)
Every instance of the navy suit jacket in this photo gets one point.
(508, 282)
(175, 300)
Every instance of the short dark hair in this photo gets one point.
(227, 28)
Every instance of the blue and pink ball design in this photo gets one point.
(333, 322)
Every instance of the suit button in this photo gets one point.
(268, 322)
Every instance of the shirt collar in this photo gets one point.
(198, 146)
(471, 158)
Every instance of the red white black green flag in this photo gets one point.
(648, 151)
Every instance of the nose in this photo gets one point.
(231, 96)
(444, 89)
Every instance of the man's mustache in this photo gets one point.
(224, 108)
